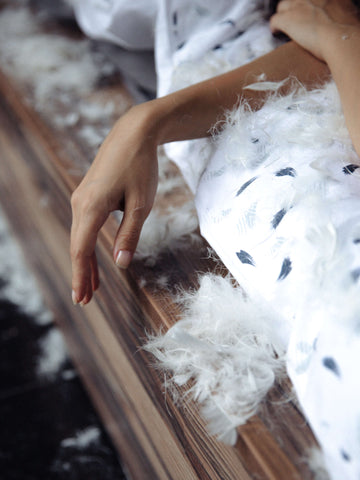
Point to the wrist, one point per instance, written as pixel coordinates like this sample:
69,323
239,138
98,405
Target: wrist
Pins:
145,119
185,114
166,119
156,120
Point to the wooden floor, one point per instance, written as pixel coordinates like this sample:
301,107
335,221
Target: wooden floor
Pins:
156,439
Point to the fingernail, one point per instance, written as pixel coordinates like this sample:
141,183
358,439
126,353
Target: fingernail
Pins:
74,298
123,259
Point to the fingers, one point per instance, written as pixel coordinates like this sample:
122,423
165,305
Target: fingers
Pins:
284,5
87,221
95,282
129,231
275,23
278,21
123,174
85,276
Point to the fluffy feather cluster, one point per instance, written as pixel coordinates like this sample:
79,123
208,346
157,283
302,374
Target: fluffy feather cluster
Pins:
169,230
227,348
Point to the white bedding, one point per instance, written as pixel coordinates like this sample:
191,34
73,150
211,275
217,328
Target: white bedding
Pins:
278,197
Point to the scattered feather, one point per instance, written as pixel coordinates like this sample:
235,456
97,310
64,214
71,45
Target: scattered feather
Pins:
225,345
174,229
53,353
265,86
83,438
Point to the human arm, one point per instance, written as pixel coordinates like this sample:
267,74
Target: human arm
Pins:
124,172
330,31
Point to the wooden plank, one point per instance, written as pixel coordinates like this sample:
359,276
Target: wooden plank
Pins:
156,438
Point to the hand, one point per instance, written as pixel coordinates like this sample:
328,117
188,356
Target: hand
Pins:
123,176
308,22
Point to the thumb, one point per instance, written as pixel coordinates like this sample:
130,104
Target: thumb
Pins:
276,23
128,234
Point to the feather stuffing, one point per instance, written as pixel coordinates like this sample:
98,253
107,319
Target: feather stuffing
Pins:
171,229
226,347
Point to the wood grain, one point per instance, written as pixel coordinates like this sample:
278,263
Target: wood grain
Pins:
155,438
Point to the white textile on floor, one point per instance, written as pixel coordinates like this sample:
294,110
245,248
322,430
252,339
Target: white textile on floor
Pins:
278,197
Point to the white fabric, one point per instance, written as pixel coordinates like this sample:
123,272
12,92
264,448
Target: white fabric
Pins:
129,24
278,203
277,196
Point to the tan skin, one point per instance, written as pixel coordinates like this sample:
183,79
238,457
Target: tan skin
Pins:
124,173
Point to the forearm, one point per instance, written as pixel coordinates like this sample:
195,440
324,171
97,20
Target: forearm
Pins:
192,112
124,173
342,55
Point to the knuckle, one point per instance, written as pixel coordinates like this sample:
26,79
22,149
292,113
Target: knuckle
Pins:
77,253
138,215
75,199
141,209
130,237
84,202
